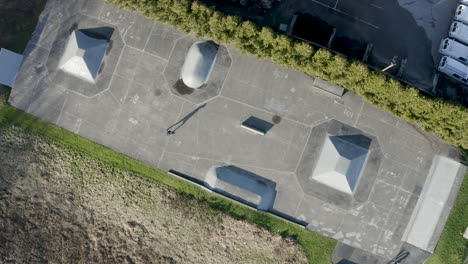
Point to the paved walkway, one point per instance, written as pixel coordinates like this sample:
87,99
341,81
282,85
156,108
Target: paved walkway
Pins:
137,96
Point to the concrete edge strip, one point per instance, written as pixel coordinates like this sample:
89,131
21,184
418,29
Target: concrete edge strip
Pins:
434,200
253,130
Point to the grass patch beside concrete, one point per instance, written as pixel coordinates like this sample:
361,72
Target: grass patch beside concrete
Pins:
317,248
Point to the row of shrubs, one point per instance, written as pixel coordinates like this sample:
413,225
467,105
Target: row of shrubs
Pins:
448,120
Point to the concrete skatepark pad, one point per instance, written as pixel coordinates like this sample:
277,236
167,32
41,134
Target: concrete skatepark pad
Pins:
134,100
199,63
83,55
340,163
242,185
10,63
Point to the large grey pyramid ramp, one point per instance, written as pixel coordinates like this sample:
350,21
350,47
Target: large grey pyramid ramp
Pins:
434,204
83,55
242,185
341,162
10,63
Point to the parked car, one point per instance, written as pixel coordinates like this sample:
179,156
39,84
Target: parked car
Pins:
454,49
454,69
459,31
461,14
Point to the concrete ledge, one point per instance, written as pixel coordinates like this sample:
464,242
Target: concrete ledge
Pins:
253,130
257,125
432,209
328,87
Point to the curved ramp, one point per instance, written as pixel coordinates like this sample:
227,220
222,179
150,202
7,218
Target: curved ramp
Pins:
199,63
242,185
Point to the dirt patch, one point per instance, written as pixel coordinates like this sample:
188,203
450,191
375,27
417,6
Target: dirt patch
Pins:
58,206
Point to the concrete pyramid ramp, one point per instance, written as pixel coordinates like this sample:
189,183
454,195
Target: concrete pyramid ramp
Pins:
340,163
83,55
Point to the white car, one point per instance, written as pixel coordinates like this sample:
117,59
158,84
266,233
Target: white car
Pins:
459,31
461,14
454,69
454,49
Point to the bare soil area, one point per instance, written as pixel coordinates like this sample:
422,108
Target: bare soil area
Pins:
57,206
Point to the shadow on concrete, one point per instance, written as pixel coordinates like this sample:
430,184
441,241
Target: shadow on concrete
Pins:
182,88
344,261
99,32
172,129
358,140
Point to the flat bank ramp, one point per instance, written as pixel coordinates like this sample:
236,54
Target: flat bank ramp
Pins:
242,186
436,200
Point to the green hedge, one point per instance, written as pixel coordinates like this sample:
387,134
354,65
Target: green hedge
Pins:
448,120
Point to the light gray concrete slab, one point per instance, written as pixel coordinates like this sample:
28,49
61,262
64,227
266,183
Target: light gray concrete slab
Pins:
113,15
32,71
92,8
138,32
162,40
134,102
49,102
392,172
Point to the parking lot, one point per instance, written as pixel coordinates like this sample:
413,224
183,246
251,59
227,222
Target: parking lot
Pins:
398,30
